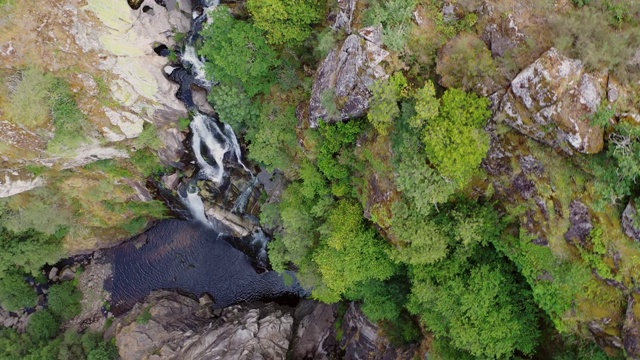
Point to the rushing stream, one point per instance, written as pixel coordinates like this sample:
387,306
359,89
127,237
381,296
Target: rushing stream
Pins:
199,255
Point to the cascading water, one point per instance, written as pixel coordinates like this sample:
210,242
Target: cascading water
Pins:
191,58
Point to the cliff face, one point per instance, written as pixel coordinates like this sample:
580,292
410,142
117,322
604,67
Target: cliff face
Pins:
172,326
101,57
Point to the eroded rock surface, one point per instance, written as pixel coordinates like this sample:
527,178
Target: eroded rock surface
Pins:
551,101
342,82
629,225
315,336
363,341
175,331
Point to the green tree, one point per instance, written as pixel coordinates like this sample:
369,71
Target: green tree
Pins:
455,140
395,17
28,251
237,53
475,303
386,93
64,300
427,105
15,292
234,107
286,22
43,326
349,253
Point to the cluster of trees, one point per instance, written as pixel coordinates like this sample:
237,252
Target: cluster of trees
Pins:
442,263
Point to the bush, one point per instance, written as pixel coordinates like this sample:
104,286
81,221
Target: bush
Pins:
43,326
149,138
69,121
286,22
31,99
465,62
64,300
395,17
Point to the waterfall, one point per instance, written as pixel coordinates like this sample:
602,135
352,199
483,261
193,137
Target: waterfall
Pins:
194,203
228,130
197,67
242,200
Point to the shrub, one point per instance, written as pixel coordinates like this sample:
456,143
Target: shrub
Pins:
31,99
465,62
286,22
395,17
148,138
69,121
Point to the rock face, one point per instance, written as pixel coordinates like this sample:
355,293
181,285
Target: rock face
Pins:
581,225
631,330
342,82
362,340
551,101
174,331
315,336
629,216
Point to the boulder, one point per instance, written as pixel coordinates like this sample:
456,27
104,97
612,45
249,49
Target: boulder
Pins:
67,274
174,332
629,225
345,77
551,101
503,36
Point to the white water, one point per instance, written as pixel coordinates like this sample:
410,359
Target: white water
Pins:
204,131
194,203
197,66
228,130
242,200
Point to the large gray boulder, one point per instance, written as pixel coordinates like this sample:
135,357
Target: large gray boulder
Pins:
341,89
551,101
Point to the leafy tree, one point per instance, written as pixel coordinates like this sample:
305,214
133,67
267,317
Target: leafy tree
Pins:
350,253
286,22
272,142
237,53
234,107
386,93
455,140
64,300
473,301
28,251
15,292
427,105
43,326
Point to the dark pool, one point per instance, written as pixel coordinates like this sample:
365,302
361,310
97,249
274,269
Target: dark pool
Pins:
190,258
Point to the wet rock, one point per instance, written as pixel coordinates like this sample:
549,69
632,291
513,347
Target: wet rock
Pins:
551,101
174,332
171,181
173,149
581,226
345,76
315,336
363,341
631,330
629,216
